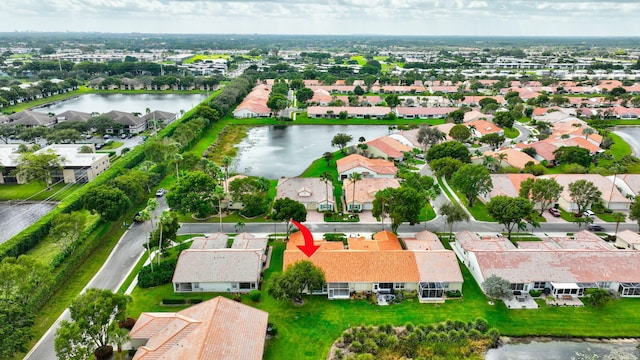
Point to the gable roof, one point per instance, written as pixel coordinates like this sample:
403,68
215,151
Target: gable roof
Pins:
124,118
366,188
304,190
603,184
379,166
507,184
218,265
216,329
389,146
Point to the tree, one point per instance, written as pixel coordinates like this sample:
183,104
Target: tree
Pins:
634,210
39,167
460,133
509,211
33,134
584,193
472,180
302,275
597,296
454,213
341,140
494,140
355,177
392,100
573,155
457,116
101,123
7,131
429,136
504,119
106,201
445,166
67,228
587,131
277,102
168,226
93,318
497,288
193,193
327,156
618,217
64,136
402,204
303,95
326,178
251,191
358,90
288,209
452,149
542,191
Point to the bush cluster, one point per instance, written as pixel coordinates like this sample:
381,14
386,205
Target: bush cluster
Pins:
161,274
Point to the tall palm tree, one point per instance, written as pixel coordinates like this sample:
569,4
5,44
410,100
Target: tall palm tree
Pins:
587,131
226,162
618,217
326,178
355,177
176,159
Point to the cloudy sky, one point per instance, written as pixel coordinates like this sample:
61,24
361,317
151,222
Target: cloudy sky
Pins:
388,17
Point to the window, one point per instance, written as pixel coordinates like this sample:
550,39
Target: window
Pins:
539,285
517,287
247,285
399,285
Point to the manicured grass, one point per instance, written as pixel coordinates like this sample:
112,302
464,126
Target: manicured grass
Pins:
306,332
201,57
511,133
479,209
112,145
36,191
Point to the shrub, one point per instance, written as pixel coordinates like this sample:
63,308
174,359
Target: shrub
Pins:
454,293
254,295
162,274
535,293
128,323
174,301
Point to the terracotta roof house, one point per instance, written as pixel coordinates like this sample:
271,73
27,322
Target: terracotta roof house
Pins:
480,128
131,124
363,112
313,193
564,270
628,239
505,185
72,115
254,104
217,329
388,148
424,112
380,266
474,115
628,184
408,137
475,100
218,270
611,196
515,158
424,240
367,168
544,150
365,192
321,97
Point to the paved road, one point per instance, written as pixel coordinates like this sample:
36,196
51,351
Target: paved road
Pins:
115,270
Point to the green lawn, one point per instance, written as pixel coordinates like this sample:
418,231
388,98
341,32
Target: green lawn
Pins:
511,133
36,191
306,332
112,145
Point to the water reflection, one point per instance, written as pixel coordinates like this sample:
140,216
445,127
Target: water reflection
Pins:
103,103
276,151
564,350
16,217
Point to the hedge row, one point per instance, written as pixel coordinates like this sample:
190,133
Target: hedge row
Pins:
159,274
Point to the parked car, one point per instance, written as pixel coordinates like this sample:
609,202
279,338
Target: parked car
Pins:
123,136
555,212
106,136
137,218
88,136
161,192
588,213
592,227
99,146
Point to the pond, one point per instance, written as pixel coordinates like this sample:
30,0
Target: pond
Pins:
630,134
16,217
276,151
564,350
103,103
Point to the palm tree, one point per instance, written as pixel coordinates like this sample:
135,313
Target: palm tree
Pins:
226,162
164,218
501,157
588,132
119,336
326,178
176,159
239,225
618,217
355,177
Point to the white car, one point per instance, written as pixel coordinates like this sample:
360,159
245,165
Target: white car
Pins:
588,213
161,192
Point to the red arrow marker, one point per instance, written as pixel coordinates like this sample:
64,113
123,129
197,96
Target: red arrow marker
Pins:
308,248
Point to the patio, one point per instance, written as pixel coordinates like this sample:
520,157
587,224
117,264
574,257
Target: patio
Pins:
563,300
522,301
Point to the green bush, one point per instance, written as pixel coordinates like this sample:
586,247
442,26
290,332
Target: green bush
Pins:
174,301
161,274
254,295
535,293
454,293
335,237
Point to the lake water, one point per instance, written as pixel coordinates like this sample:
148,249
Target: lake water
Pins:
16,217
276,151
103,103
630,134
565,350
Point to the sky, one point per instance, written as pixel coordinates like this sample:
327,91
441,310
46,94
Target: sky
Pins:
343,17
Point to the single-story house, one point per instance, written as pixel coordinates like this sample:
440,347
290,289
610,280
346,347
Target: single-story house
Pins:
544,150
363,112
515,158
367,168
424,112
217,329
628,239
559,267
131,124
388,148
313,193
30,118
212,241
505,185
480,128
611,196
380,267
254,104
73,116
474,115
163,117
365,192
218,270
628,184
247,241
